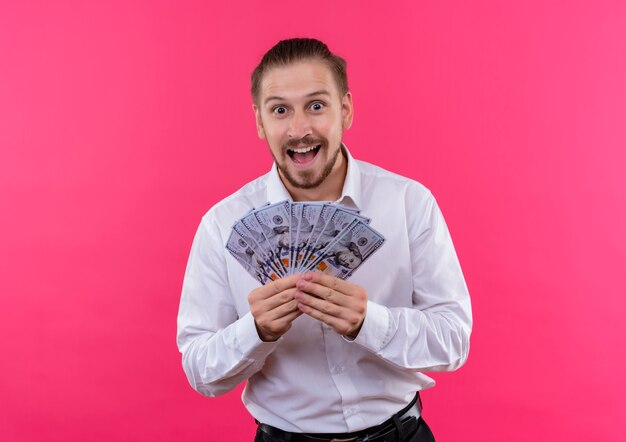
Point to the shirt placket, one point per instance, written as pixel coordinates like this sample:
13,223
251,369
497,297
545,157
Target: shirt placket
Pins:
340,368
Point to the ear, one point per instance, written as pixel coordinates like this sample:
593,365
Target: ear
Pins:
259,122
347,111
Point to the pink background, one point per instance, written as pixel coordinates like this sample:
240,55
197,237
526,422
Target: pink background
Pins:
121,123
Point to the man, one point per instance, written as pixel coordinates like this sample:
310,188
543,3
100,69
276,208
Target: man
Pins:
348,256
325,358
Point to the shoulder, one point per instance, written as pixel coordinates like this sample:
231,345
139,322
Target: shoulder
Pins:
404,200
376,177
224,213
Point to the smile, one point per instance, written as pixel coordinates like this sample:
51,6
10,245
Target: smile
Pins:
304,155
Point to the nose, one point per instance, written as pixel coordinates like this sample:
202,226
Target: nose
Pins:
299,125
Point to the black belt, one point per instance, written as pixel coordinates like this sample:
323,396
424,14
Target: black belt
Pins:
402,422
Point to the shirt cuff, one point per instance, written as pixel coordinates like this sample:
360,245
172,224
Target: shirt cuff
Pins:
375,332
248,341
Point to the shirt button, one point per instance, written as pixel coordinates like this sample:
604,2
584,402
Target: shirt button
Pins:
338,370
350,412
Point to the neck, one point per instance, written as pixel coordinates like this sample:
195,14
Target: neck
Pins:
329,190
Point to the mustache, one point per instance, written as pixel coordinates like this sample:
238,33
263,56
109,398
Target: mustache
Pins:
306,140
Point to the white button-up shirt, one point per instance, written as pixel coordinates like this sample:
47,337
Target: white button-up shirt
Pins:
418,316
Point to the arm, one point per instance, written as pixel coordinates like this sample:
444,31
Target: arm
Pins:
219,349
433,334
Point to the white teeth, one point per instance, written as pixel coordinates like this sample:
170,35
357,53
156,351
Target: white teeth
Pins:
303,149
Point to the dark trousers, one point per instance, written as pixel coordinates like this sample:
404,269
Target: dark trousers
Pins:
417,431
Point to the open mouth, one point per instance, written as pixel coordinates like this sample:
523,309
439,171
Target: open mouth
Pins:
304,155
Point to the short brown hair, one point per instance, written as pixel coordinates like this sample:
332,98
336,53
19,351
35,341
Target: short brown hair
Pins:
286,52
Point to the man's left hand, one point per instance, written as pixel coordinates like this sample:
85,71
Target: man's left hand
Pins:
336,302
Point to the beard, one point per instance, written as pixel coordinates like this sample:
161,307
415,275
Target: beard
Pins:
306,179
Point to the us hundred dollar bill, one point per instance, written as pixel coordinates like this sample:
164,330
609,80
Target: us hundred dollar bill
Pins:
349,250
310,215
256,241
248,258
275,221
336,224
325,214
255,229
296,215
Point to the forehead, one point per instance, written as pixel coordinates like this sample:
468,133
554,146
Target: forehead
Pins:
298,80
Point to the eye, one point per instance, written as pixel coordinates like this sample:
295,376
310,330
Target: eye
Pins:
317,106
280,110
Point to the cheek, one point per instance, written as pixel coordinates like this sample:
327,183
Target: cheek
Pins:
275,137
334,129
274,127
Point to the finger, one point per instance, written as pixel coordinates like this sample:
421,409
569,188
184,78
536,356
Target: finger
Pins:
292,316
285,322
259,307
274,287
323,292
279,285
321,305
282,310
340,325
272,328
277,300
332,282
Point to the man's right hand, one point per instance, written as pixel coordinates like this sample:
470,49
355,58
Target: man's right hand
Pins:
274,307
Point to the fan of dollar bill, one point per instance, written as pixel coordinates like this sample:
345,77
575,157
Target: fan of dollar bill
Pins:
286,238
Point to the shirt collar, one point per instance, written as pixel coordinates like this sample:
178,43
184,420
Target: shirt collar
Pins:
276,190
350,195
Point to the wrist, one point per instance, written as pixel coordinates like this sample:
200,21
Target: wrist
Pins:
353,334
265,337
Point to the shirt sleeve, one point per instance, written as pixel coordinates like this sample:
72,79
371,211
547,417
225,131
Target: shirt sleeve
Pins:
219,349
433,334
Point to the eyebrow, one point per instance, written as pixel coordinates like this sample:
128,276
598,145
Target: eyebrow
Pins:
311,94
